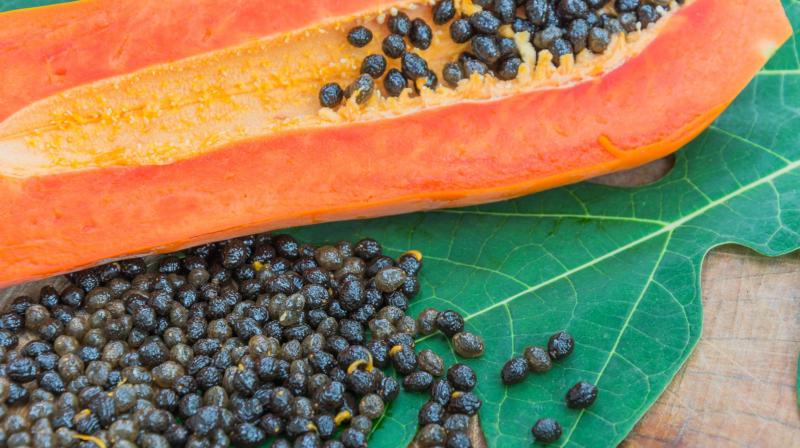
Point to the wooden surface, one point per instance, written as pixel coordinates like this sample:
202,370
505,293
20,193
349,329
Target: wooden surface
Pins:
739,386
738,389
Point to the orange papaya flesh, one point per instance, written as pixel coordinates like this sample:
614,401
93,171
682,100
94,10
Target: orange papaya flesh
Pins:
49,49
178,110
196,140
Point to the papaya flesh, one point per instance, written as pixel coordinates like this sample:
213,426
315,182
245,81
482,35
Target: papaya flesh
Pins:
122,134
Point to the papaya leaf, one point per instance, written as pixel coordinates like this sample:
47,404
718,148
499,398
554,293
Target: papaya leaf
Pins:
8,5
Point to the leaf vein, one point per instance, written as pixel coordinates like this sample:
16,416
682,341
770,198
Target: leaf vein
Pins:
554,216
624,327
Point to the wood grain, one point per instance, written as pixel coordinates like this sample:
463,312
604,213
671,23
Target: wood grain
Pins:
739,386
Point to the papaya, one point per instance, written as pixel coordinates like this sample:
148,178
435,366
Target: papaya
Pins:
130,127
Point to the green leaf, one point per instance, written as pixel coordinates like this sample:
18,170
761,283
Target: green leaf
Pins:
8,5
618,268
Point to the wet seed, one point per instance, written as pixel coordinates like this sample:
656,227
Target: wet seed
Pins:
514,371
577,33
461,31
431,412
449,322
22,370
331,95
359,36
430,362
505,10
581,395
362,88
573,9
628,21
431,435
546,430
610,24
403,358
538,359
352,438
560,47
429,81
373,65
458,439
389,279
444,11
470,64
468,345
507,47
393,46
413,66
626,5
560,346
399,24
464,403
508,68
647,15
485,22
462,377
420,34
456,422
486,48
452,74
418,381
545,38
329,257
426,321
371,406
598,40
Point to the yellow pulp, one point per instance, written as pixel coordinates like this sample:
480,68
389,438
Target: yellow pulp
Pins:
178,110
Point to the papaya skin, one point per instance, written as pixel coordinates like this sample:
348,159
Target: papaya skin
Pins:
460,154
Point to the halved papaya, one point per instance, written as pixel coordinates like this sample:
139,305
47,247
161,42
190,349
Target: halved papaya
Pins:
138,126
